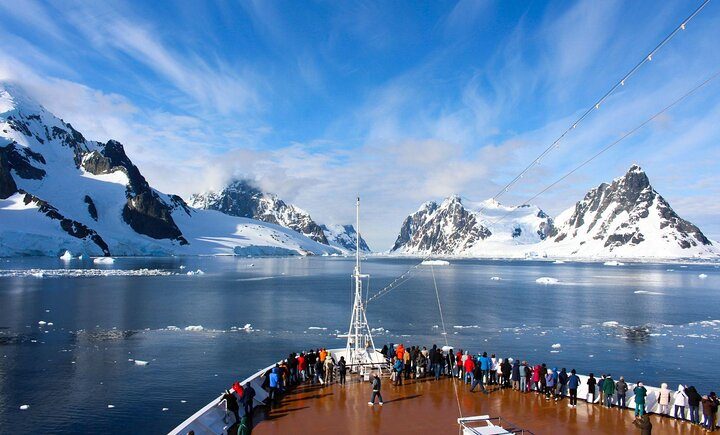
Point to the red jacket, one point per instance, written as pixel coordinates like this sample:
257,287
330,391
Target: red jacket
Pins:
238,389
302,364
469,365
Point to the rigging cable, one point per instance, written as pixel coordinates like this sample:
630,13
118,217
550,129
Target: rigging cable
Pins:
444,333
620,139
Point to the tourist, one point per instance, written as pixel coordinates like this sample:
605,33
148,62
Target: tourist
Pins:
640,395
710,409
499,375
536,377
292,367
680,400
609,390
562,384
398,367
231,405
431,358
485,366
318,378
493,367
516,375
549,384
591,383
303,367
450,362
664,399
524,372
384,351
437,362
244,426
601,381
329,368
543,381
573,384
310,360
459,360
248,399
342,369
274,384
621,389
469,369
644,424
477,379
505,369
693,401
375,390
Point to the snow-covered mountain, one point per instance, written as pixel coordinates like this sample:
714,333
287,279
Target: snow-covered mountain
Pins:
626,218
60,191
344,237
241,198
485,228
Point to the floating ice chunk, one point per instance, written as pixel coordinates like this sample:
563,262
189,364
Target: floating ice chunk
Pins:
141,363
613,263
558,262
546,280
645,292
556,346
702,276
111,406
24,407
317,328
50,323
196,272
435,263
172,328
554,351
104,260
247,327
610,324
182,267
194,328
165,409
47,311
67,256
680,345
466,326
495,278
42,322
37,274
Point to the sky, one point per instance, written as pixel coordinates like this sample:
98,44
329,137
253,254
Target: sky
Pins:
399,102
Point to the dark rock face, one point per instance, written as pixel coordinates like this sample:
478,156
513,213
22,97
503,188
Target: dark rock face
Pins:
72,227
445,229
241,198
92,211
18,159
145,211
613,212
7,183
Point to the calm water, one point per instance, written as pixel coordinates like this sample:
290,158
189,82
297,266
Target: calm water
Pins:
69,372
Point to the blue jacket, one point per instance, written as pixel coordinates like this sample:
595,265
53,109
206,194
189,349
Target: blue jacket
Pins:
274,380
573,382
399,366
485,363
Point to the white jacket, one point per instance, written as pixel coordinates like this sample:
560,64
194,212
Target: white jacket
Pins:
680,397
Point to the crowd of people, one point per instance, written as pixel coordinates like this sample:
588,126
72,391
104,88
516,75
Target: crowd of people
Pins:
479,370
319,367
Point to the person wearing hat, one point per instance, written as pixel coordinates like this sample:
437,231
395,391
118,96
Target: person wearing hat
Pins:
609,390
621,389
573,384
640,395
231,404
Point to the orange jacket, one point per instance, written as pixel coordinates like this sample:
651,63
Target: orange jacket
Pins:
400,351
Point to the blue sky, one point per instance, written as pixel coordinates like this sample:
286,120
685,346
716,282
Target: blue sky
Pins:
401,102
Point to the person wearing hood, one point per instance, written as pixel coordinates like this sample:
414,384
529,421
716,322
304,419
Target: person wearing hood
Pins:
247,399
231,404
342,369
549,384
643,423
516,375
664,399
505,370
680,400
485,366
244,427
640,395
601,382
459,362
524,372
329,368
621,389
398,367
274,384
469,367
477,379
693,401
609,390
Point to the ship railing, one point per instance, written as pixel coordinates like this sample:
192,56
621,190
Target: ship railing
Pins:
487,425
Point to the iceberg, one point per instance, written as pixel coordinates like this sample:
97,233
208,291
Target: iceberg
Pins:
435,263
24,407
546,280
67,256
613,263
141,363
702,276
103,260
495,278
194,328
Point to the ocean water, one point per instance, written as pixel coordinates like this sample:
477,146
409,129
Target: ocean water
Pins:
650,322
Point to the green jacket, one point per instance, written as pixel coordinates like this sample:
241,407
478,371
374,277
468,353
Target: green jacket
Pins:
609,386
640,393
244,428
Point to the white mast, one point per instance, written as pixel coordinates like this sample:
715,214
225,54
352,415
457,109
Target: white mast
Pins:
360,346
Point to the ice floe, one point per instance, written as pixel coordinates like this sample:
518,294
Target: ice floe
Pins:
435,263
111,406
702,276
103,260
495,278
24,407
317,328
195,272
466,326
546,280
558,262
611,324
194,328
67,256
80,273
42,322
556,346
141,363
645,292
613,263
